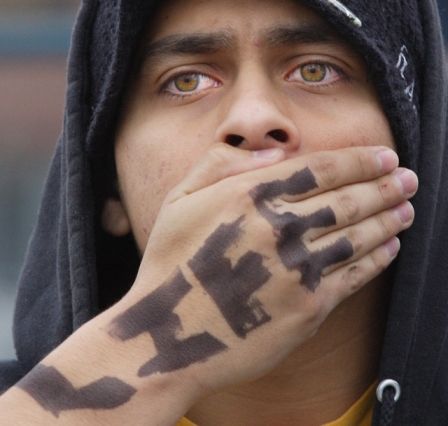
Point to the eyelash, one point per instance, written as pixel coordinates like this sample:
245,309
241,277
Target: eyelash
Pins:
342,76
165,87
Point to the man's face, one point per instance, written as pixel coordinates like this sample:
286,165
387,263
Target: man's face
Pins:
251,73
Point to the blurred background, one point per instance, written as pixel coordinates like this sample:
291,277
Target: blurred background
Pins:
34,41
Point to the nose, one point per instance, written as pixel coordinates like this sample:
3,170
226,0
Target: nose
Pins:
254,120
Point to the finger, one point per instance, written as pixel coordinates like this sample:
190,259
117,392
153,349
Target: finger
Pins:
354,203
350,278
222,161
368,234
305,176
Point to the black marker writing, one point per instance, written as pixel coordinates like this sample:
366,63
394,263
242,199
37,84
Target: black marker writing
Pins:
290,229
53,392
232,288
154,315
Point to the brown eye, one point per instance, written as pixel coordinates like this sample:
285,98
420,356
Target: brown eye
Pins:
313,73
187,82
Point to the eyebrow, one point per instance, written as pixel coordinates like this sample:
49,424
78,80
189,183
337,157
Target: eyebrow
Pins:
212,42
189,44
303,34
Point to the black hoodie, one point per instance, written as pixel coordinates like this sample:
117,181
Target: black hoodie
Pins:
63,281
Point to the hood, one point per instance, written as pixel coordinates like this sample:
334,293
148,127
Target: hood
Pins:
63,275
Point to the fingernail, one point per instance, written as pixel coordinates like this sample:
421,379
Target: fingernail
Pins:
388,160
408,181
267,153
405,212
393,247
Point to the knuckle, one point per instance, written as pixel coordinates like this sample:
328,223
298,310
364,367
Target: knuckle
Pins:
316,310
367,163
384,226
379,261
386,190
237,192
353,278
263,228
326,168
348,205
217,155
355,237
364,162
244,190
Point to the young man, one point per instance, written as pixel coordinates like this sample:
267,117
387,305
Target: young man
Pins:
226,197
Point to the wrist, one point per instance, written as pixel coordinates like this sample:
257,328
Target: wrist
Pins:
93,357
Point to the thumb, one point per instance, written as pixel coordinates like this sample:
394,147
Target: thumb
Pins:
222,161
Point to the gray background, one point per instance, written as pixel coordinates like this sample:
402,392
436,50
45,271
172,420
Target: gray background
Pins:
34,40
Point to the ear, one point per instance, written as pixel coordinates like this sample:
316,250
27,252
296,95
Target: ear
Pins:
114,219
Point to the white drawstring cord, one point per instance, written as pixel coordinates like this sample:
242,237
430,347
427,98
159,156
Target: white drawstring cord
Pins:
347,12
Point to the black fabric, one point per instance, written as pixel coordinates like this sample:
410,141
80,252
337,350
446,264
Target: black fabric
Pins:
63,275
443,6
10,373
417,328
387,26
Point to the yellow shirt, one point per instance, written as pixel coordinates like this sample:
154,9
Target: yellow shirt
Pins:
359,414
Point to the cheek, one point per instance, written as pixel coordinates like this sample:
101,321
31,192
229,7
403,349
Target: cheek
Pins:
151,160
338,124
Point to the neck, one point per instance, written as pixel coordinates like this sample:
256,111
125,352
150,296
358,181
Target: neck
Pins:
318,382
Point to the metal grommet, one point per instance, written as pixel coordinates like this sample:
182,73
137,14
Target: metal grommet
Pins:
385,384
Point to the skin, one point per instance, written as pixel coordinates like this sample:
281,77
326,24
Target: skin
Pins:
265,205
252,101
253,96
56,394
146,317
291,229
233,288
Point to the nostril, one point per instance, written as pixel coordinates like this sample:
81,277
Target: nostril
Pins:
234,140
279,135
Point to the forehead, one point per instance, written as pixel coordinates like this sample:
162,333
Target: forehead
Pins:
196,27
246,17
